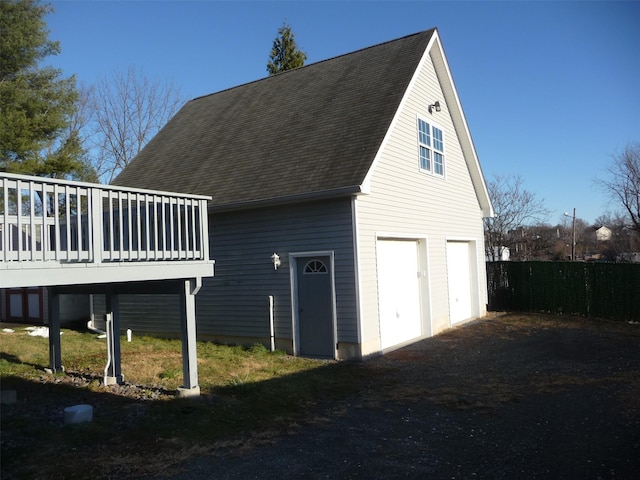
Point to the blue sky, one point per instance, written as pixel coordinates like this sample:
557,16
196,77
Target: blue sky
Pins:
550,89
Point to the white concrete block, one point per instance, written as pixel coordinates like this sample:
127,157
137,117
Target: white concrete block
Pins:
78,414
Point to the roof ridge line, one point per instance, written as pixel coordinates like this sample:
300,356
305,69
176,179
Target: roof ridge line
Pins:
314,63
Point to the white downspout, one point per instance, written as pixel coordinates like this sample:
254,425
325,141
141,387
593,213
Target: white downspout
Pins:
272,331
109,329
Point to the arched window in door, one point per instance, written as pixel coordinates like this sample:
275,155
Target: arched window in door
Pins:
315,267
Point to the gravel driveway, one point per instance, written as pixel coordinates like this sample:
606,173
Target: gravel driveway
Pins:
499,398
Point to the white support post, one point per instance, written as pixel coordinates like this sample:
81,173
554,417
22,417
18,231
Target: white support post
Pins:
48,250
79,223
120,220
19,218
130,225
113,372
155,227
171,230
194,241
32,238
111,224
138,226
165,229
147,229
56,221
6,247
55,356
189,288
179,246
204,230
96,224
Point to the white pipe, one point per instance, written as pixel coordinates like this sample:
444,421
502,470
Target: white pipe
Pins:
93,329
109,346
271,325
91,325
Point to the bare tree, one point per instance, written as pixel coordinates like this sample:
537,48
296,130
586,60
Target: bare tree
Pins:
128,110
623,182
514,207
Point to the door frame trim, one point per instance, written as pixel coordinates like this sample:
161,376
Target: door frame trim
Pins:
293,276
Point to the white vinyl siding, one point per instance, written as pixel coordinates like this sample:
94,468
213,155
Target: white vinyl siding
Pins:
404,201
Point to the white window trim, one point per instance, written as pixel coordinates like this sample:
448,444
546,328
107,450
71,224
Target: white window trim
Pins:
431,147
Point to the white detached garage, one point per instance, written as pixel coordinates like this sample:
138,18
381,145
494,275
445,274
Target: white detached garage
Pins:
360,174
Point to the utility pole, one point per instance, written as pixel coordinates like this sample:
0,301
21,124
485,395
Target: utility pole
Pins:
573,237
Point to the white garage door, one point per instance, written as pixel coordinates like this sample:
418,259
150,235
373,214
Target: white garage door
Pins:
459,277
398,291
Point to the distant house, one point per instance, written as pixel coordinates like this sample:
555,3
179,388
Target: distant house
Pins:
499,254
603,234
347,206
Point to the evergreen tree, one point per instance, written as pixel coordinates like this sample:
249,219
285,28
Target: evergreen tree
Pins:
285,54
36,102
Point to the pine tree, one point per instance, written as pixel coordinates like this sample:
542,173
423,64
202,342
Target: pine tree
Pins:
36,102
285,54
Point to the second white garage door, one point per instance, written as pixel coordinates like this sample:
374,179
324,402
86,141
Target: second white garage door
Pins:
459,277
398,291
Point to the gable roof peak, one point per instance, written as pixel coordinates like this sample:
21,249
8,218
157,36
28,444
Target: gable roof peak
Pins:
427,33
312,131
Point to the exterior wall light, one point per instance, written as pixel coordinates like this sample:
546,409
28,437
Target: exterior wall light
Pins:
434,106
275,258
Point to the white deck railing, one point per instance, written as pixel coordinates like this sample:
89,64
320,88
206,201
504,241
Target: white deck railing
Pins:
43,219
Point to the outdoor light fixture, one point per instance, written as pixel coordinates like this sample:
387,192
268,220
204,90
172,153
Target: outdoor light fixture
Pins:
434,106
275,258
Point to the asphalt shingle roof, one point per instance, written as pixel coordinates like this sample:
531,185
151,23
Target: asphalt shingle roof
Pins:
310,130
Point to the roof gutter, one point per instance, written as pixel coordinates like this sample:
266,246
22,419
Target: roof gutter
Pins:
287,199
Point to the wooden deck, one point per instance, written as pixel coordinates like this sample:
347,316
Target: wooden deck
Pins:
56,232
74,237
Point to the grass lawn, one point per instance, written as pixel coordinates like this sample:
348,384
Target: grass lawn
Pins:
248,394
529,383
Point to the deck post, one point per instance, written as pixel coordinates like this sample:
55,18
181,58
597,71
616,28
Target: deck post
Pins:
189,288
97,219
113,372
55,355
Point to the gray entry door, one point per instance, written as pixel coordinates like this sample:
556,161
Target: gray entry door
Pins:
315,307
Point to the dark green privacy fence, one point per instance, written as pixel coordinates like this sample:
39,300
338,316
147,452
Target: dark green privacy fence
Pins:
597,290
